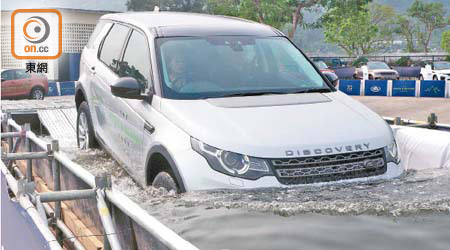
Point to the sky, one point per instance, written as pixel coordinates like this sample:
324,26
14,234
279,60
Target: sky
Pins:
108,5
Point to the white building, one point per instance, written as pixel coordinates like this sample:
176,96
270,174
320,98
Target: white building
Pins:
77,26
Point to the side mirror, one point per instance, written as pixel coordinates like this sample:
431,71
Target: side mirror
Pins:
332,77
127,87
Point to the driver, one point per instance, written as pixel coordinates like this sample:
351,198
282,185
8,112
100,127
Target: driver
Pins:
177,72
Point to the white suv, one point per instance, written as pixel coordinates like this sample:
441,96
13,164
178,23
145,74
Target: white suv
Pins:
193,102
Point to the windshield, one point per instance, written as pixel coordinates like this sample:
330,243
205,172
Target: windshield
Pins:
377,65
441,65
321,65
221,66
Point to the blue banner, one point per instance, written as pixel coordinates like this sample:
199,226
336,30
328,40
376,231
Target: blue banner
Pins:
67,88
52,89
350,87
430,88
375,88
403,88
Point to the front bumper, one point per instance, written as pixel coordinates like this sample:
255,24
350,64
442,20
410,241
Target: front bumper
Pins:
198,175
381,77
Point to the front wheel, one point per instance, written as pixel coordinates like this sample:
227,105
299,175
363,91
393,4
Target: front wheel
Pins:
421,78
37,94
435,78
165,180
85,131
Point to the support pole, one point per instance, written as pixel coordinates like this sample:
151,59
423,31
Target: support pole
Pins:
107,222
56,178
8,129
10,134
432,120
25,156
398,121
29,173
70,237
68,195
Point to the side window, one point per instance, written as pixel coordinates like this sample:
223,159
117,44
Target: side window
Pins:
112,46
22,74
8,75
136,60
95,34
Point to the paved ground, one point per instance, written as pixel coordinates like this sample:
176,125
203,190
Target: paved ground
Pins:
409,107
25,105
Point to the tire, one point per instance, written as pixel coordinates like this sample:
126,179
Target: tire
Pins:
37,93
435,78
85,130
165,180
370,77
421,78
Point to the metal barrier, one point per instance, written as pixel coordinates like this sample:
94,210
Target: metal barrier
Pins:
431,123
100,189
412,88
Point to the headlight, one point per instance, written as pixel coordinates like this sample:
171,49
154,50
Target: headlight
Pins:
231,163
392,153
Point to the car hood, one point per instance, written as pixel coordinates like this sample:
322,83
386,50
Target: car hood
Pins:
273,126
443,71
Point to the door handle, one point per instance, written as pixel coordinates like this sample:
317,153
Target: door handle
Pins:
149,128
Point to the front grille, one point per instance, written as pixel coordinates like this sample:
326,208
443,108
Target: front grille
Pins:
304,170
387,74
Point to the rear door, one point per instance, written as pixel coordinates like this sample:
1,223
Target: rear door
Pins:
105,74
22,82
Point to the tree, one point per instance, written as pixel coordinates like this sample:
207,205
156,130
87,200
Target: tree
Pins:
445,41
272,12
432,16
359,27
172,5
297,15
406,28
353,32
383,16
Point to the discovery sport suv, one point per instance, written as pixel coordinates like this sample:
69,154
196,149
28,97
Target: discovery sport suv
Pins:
192,102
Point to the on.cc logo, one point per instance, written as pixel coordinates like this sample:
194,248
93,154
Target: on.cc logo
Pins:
39,29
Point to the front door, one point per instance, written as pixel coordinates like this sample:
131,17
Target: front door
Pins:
104,74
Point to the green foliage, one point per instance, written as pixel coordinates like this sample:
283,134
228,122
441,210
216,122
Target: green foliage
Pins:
351,29
406,28
404,61
274,13
172,5
362,60
445,42
430,16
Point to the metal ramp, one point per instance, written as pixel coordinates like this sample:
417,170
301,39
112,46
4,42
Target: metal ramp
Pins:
61,124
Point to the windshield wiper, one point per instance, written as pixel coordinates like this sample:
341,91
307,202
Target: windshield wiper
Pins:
255,94
315,90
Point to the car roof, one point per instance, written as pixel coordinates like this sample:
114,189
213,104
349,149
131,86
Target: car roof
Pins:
168,24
